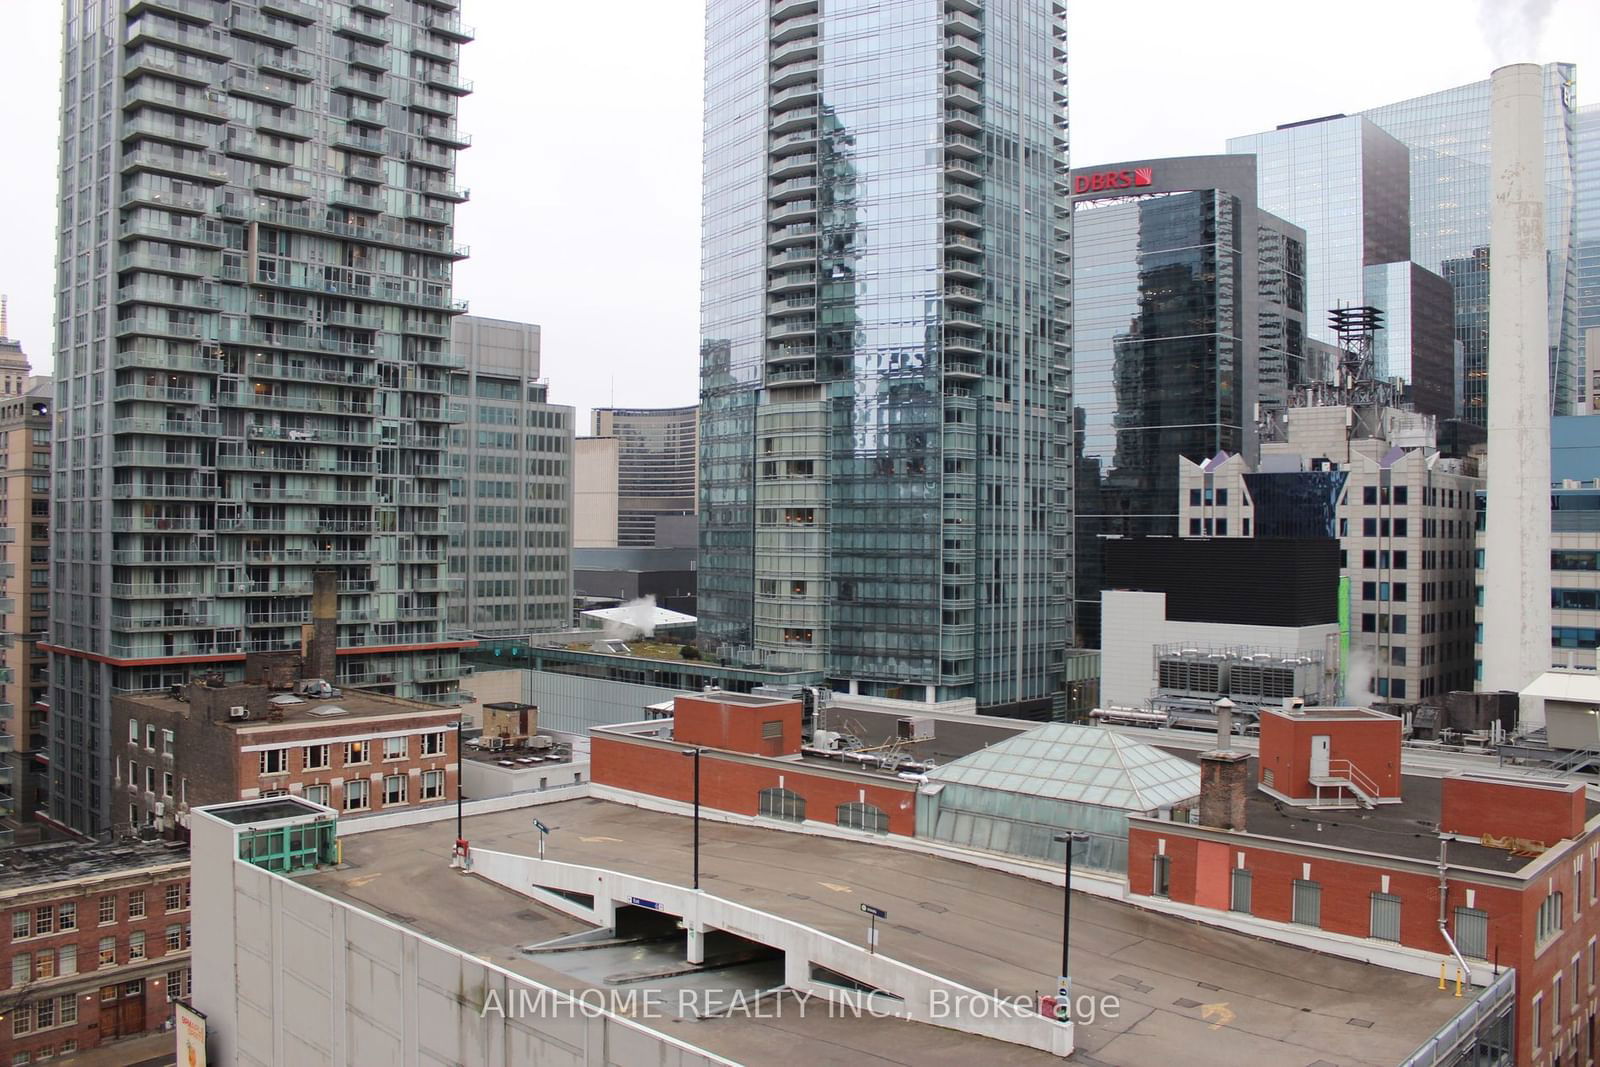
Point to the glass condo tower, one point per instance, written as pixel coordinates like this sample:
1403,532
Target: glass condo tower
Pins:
885,450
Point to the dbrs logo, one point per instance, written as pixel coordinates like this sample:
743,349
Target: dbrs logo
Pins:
1112,179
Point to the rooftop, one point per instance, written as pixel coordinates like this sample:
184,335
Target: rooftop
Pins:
1408,830
35,866
281,707
990,930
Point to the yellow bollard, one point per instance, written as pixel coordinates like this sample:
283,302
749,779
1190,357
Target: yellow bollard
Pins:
1441,977
1458,981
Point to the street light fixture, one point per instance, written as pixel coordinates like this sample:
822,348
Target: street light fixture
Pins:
695,752
1064,988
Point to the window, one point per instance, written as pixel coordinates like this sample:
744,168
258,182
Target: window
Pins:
21,969
315,758
150,737
44,919
317,794
175,938
69,960
1307,908
1239,891
433,744
21,924
171,897
108,910
357,792
67,916
133,731
1161,877
136,945
432,785
44,964
869,817
179,984
166,783
108,952
166,742
1369,495
782,804
275,761
136,904
1472,932
1385,924
21,1023
394,789
1550,916
357,752
396,748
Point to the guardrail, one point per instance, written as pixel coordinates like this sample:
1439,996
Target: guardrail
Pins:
1458,1035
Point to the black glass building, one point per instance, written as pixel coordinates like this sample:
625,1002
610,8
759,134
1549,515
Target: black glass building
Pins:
1188,336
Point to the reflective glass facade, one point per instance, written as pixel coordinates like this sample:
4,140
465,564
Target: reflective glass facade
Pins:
252,351
884,479
1448,136
1188,334
1588,242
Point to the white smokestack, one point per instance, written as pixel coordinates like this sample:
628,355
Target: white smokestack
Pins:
1516,594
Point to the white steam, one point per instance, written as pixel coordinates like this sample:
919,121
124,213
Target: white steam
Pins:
1513,28
638,619
1358,674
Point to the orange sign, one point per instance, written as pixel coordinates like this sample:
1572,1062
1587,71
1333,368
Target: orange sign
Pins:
191,1028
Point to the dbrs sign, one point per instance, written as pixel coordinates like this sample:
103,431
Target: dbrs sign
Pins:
1112,179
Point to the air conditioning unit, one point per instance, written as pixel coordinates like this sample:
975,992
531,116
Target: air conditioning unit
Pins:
238,711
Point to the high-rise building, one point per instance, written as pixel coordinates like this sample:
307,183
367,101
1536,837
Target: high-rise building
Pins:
511,508
253,354
1188,340
1588,243
885,480
657,470
25,585
1347,184
1447,133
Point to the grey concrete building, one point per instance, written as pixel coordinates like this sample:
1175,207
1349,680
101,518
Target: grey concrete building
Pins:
657,473
511,506
253,349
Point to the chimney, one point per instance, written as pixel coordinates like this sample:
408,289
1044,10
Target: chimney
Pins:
1224,776
322,662
1516,572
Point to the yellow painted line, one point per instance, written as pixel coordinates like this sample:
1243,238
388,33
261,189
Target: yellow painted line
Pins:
1220,1012
835,887
357,883
596,840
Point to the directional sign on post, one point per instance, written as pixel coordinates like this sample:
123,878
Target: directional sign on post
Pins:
873,914
876,913
541,827
1064,999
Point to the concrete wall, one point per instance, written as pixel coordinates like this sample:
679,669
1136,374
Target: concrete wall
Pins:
288,975
594,492
481,779
1133,624
802,946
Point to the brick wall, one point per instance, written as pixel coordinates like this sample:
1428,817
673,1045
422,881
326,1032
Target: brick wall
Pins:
1373,745
733,784
301,768
98,1002
1544,812
737,727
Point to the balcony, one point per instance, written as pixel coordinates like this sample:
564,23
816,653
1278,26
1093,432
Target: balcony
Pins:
786,166
313,435
168,427
962,294
301,373
181,68
373,31
427,46
184,298
156,127
147,524
149,358
360,140
792,280
794,189
802,25
959,70
783,10
368,112
965,269
278,183
242,145
428,156
157,394
793,118
140,326
280,495
961,145
442,190
160,557
203,167
180,621
298,10
803,68
371,86
791,375
960,194
958,45
283,402
450,27
212,44
448,136
805,93
157,491
273,31
186,265
293,126
447,81
357,199
368,57
194,10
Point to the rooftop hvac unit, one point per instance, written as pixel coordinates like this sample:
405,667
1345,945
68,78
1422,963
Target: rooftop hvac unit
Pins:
238,711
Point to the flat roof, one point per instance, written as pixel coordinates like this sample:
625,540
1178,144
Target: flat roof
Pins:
749,700
1331,714
1407,830
986,929
352,704
36,866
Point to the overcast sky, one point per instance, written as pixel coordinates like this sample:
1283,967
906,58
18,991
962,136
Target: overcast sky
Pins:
585,168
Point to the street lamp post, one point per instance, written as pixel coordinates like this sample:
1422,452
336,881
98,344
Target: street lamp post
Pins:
1064,988
458,780
695,752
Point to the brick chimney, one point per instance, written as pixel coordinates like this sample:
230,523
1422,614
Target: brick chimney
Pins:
1224,776
323,647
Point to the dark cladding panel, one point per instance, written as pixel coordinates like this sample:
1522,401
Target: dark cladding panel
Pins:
1284,582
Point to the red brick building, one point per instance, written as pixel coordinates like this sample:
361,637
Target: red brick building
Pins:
1519,885
355,752
750,766
97,945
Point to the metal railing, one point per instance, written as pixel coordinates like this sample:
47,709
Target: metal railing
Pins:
1457,1036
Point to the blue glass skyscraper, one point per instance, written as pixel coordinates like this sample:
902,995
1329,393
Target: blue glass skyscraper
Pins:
885,362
